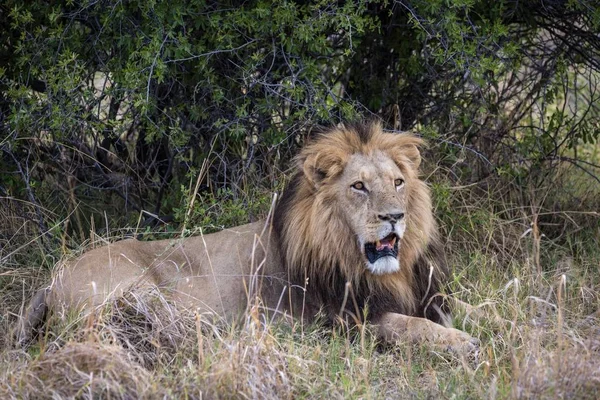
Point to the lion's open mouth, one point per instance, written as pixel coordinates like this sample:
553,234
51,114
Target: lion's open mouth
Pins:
386,247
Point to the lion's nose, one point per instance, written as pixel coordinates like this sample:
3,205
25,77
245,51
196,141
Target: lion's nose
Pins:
391,217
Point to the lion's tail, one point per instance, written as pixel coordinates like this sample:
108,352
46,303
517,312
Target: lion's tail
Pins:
32,318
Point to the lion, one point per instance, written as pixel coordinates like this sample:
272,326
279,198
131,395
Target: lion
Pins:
352,238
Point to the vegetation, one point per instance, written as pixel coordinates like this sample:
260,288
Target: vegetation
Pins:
153,118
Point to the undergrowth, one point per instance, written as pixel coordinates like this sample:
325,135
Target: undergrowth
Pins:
530,271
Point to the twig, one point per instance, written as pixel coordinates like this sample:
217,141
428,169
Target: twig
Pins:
25,176
163,185
210,53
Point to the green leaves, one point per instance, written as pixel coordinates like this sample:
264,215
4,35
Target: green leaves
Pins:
154,88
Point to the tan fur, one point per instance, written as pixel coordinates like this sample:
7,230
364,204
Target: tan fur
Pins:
307,259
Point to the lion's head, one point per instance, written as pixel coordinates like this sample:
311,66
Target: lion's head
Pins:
356,211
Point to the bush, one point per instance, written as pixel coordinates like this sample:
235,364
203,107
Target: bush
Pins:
138,99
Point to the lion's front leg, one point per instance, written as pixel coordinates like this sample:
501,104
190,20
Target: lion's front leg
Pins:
393,328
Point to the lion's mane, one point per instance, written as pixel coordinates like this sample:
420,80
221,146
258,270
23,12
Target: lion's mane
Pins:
319,249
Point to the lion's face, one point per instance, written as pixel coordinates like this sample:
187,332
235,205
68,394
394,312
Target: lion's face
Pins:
356,206
372,198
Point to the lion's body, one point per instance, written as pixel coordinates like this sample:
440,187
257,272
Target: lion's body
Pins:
353,231
193,271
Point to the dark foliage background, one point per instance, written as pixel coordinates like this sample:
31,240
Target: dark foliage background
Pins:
131,113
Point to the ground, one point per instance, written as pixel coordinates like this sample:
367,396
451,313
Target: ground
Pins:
535,295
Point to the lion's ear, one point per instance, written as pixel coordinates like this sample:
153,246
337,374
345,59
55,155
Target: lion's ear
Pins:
413,154
406,148
321,166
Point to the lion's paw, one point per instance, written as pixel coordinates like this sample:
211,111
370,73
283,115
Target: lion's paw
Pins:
461,343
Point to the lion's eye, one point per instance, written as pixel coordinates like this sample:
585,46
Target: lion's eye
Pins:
359,186
399,182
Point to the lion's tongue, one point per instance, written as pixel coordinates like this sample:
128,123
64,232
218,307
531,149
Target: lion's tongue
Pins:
386,243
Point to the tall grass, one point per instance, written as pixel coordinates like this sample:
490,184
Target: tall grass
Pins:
530,271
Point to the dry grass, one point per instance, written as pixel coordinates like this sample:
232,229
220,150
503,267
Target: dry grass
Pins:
535,300
81,370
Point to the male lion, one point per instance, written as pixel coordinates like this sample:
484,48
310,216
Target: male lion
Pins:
352,235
